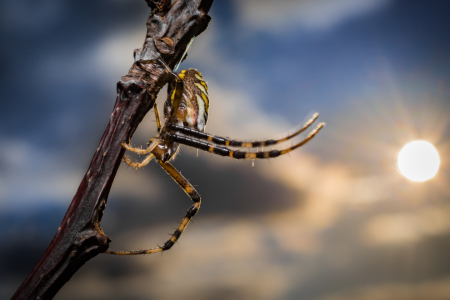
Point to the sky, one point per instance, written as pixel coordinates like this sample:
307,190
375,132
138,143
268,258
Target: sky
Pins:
334,220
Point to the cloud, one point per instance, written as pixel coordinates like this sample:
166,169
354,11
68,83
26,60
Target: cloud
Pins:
407,227
29,173
277,16
113,55
102,62
29,16
429,290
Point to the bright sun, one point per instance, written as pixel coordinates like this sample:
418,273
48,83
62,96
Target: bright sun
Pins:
418,161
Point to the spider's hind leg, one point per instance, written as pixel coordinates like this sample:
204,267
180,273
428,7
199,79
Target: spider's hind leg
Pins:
190,190
192,193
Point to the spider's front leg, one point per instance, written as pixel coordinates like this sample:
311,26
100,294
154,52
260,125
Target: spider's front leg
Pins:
224,151
192,193
200,135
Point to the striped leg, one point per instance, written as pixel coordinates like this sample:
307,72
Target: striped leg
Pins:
227,142
223,151
190,190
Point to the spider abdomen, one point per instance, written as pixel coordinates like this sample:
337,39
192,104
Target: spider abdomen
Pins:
194,105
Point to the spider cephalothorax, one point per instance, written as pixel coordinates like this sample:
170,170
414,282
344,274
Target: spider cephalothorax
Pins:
185,117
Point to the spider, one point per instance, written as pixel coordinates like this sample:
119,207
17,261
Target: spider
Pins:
186,114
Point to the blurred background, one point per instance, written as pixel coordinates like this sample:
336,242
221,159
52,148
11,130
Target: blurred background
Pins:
334,220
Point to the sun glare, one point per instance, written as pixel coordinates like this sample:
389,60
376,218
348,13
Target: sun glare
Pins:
418,161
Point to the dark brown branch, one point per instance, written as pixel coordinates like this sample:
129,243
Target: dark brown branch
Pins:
80,237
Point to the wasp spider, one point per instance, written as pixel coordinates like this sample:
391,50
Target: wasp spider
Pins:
186,114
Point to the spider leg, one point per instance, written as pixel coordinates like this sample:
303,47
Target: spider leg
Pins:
177,92
223,151
190,190
151,145
158,119
136,164
233,143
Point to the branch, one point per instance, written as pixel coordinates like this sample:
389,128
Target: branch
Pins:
80,237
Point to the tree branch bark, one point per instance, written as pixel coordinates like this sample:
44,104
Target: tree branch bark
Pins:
80,236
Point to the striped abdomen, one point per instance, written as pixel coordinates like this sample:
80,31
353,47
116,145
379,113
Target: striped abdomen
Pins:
193,109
